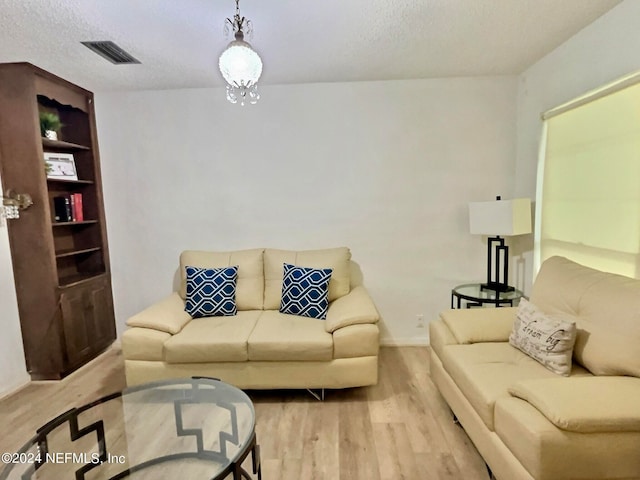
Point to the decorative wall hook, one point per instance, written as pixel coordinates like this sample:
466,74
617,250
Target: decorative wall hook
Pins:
13,202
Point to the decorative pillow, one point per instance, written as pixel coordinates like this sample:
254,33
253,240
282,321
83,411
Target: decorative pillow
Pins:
337,259
305,291
545,338
211,292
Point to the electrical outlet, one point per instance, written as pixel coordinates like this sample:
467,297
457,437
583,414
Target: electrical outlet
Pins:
420,318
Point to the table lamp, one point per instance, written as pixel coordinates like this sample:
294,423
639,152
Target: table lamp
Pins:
496,219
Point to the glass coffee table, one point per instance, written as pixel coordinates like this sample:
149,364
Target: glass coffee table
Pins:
194,428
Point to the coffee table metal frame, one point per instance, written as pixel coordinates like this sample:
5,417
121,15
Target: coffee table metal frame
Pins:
71,416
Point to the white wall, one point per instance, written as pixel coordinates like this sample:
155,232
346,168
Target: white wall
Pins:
386,168
600,53
13,371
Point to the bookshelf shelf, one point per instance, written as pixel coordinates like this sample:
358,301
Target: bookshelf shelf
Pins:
73,224
70,182
72,252
60,145
79,279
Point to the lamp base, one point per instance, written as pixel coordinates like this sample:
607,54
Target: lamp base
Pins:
497,287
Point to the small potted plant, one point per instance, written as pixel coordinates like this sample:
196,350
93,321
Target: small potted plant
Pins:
49,125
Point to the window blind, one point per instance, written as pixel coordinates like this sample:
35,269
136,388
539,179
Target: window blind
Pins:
589,184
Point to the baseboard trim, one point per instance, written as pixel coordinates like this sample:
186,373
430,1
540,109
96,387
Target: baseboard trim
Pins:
404,342
15,389
81,369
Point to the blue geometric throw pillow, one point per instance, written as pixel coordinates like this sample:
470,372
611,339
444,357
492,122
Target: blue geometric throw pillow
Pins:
211,292
305,291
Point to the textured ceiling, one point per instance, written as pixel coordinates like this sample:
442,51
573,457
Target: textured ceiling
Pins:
300,41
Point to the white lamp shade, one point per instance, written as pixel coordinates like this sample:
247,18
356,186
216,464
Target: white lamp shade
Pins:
240,65
500,217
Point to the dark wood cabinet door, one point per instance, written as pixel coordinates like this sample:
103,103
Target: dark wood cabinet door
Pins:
101,318
76,329
86,313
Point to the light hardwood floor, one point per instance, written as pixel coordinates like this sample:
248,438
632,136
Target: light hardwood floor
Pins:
398,429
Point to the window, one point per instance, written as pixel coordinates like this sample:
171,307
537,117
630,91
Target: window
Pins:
589,181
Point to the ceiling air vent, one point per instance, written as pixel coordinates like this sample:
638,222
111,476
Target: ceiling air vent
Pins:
111,52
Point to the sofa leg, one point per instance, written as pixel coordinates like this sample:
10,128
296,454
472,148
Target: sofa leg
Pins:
320,397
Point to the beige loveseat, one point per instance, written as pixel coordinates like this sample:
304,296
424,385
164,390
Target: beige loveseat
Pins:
259,347
527,422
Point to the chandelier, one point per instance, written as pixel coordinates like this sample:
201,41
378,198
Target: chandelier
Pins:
239,64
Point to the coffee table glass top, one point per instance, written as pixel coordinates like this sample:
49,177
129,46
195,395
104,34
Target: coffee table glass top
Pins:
188,428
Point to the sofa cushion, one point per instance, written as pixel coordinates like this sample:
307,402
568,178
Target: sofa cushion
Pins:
337,259
607,310
549,339
560,285
211,292
603,351
585,404
609,327
304,291
281,337
485,371
250,283
212,339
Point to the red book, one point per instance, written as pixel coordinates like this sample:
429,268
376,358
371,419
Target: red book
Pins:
79,213
72,201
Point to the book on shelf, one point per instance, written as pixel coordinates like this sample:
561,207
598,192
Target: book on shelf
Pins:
62,208
78,207
72,201
68,208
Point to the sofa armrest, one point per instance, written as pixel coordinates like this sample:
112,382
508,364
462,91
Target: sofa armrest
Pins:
167,315
356,341
439,336
477,325
585,404
354,308
143,344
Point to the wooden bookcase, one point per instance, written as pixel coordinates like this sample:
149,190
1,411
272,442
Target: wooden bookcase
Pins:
61,269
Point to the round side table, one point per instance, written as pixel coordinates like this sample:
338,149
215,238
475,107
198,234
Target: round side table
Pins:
475,296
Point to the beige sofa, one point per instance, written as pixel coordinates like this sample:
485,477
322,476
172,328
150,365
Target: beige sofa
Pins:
527,422
259,347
